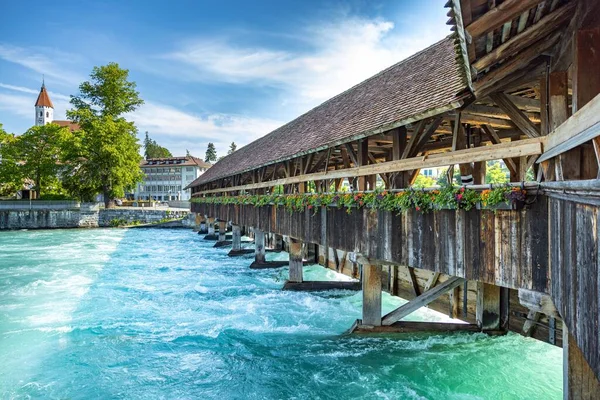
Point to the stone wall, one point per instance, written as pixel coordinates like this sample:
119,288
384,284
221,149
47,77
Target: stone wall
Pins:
85,217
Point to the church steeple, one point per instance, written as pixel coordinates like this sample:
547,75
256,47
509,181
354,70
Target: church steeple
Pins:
44,109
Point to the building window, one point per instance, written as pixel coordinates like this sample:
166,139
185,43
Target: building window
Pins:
47,114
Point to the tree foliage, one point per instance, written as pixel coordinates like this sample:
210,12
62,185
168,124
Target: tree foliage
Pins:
496,173
154,150
39,153
232,148
33,156
10,181
104,154
422,181
211,153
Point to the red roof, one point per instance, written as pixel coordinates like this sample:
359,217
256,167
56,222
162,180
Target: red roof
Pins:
71,125
43,99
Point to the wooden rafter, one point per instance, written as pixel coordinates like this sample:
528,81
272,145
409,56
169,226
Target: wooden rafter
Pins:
516,115
514,64
543,28
413,139
497,16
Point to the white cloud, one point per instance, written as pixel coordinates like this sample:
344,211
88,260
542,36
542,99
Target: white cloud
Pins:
341,54
178,130
44,61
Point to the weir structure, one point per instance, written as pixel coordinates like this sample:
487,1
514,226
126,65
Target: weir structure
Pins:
516,81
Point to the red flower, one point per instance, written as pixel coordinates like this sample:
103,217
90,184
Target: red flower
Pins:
417,208
309,206
459,197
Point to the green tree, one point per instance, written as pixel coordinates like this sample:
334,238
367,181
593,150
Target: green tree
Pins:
423,181
104,154
211,153
496,173
154,150
38,152
232,148
10,179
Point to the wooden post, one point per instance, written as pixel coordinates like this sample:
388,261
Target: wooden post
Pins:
363,159
398,146
203,225
579,380
211,226
236,238
295,260
259,241
277,242
568,165
197,222
222,230
371,289
488,306
586,85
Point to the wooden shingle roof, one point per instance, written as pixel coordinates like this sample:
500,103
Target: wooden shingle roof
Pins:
415,87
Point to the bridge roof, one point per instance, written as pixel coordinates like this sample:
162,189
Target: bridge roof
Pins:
427,83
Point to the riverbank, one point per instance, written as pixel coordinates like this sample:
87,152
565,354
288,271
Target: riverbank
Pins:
88,217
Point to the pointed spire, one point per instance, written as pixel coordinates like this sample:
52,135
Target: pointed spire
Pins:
43,99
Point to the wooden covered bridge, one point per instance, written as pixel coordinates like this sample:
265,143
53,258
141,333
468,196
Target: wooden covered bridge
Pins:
517,81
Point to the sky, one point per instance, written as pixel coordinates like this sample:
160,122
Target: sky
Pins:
208,71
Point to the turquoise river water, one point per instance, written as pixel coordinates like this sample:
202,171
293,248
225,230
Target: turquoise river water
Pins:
153,314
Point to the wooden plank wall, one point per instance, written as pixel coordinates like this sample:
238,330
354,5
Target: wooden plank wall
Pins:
575,273
505,248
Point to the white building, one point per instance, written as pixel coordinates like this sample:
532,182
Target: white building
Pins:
165,178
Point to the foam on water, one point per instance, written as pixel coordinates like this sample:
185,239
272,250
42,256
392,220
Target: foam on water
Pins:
161,314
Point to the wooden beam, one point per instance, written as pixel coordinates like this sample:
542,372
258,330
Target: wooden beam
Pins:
413,139
424,299
496,112
479,120
544,27
516,115
426,135
514,64
432,281
497,16
488,306
582,127
413,281
350,152
295,261
530,322
518,148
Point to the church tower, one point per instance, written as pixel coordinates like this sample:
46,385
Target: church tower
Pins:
44,109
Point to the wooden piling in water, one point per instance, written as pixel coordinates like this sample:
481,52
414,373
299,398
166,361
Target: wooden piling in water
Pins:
296,263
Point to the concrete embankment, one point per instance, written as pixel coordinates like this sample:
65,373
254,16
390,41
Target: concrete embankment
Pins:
88,217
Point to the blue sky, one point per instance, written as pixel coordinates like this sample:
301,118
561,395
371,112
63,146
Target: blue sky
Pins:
217,71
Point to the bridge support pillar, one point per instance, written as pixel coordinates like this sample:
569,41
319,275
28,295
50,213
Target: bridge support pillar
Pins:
296,260
222,230
211,230
203,225
579,380
222,237
197,222
371,289
259,250
488,306
236,238
277,242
